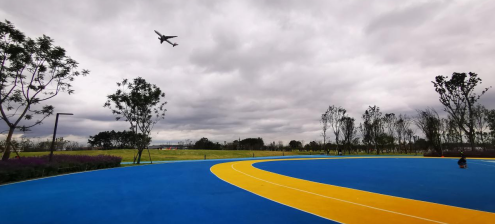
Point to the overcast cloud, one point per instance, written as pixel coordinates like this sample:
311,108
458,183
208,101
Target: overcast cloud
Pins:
259,68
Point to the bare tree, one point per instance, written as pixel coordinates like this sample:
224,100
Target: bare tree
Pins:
365,130
480,124
390,123
402,125
491,124
374,117
324,123
349,132
335,115
409,134
428,121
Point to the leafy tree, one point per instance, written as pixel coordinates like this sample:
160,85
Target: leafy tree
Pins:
420,143
314,145
384,139
31,72
459,99
102,139
139,103
295,144
252,143
272,146
113,140
204,143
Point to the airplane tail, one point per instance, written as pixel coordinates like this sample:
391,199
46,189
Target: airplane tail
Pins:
161,41
175,44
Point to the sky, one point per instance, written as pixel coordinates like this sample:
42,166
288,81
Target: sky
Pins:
264,69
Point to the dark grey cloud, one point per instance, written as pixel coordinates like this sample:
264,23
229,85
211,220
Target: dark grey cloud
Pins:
259,68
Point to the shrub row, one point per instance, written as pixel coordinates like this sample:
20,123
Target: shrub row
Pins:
482,154
35,167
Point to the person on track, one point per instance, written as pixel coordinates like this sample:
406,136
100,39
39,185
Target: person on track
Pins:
462,162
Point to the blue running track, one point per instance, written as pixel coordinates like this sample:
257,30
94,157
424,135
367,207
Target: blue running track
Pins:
187,192
433,180
164,193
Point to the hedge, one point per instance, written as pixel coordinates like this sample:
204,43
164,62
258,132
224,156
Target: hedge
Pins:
36,167
482,154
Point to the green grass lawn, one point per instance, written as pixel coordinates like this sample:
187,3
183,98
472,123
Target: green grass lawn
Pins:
165,155
169,155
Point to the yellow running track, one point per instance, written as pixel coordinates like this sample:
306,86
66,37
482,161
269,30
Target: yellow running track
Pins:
341,204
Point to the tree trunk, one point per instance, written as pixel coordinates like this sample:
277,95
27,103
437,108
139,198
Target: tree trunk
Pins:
140,151
472,139
8,145
377,152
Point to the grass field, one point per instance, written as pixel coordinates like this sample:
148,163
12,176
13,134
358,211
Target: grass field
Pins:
165,155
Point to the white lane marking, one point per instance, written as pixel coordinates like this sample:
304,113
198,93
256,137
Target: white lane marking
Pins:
482,164
350,202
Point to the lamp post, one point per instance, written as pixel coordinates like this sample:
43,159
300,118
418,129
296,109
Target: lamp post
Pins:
55,134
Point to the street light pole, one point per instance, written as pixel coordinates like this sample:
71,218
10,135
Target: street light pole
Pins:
55,134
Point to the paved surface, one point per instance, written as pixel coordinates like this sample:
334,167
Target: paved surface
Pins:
188,192
349,205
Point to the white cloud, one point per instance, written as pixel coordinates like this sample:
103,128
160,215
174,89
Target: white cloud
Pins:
260,68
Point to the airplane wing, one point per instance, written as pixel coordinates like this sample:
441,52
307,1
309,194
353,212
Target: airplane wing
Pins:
159,34
170,37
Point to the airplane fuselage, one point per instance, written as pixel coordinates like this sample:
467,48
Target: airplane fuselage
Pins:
165,38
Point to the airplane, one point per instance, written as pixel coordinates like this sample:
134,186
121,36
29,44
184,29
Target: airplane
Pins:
165,38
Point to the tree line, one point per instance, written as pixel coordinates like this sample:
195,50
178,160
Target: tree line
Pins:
467,123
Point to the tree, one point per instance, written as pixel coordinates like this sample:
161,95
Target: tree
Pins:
139,103
348,131
295,144
324,123
335,115
313,145
390,123
429,123
252,143
491,123
458,97
452,132
365,129
409,135
480,123
113,140
102,139
401,127
375,125
31,72
204,143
